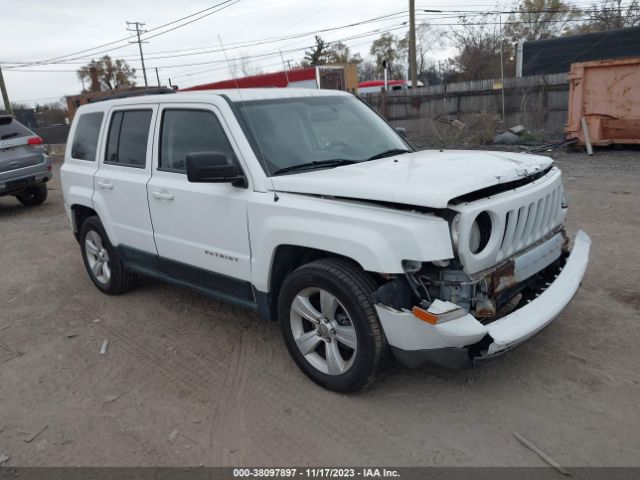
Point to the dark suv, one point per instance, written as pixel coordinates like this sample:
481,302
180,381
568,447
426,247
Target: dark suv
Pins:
25,168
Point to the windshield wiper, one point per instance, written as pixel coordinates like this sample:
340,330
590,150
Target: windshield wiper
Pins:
9,135
315,164
389,153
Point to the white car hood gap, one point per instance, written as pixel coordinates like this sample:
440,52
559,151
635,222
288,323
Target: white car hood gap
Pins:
428,178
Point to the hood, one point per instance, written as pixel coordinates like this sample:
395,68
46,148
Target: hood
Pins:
429,178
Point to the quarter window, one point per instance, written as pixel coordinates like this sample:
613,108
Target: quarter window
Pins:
128,137
190,131
85,139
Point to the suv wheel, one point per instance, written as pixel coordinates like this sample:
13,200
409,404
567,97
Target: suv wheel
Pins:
101,260
330,325
33,196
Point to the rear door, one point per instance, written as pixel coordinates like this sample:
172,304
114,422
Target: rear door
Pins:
200,228
120,186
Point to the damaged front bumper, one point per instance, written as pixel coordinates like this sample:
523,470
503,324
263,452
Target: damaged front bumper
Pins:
464,341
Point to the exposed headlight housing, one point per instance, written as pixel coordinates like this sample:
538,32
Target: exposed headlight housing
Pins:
480,233
455,231
475,237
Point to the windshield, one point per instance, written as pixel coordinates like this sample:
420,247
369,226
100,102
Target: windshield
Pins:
315,131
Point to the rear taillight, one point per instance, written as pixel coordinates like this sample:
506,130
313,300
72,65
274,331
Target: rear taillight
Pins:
34,141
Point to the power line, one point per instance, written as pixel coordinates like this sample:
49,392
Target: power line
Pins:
250,43
52,60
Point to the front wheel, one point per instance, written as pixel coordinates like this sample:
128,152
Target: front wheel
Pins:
330,325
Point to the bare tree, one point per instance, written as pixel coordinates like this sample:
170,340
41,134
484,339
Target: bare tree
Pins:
610,14
427,38
392,49
540,19
51,113
112,74
366,71
478,47
341,53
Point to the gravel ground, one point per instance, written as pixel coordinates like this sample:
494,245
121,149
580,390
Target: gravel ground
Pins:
189,381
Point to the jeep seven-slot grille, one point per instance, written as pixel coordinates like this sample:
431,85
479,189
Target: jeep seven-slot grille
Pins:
529,223
519,218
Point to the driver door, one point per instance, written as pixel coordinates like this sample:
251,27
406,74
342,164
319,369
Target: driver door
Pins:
200,229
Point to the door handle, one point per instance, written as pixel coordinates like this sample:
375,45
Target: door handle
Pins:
162,195
105,185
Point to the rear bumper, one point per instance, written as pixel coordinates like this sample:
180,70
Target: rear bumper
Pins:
16,181
464,341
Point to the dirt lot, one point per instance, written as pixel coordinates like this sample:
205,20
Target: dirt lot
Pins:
189,381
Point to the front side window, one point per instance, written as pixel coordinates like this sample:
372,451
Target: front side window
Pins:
128,137
190,131
315,131
85,139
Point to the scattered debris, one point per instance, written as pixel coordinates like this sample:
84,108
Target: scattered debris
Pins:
549,146
97,320
103,348
173,436
110,398
454,123
587,138
507,138
3,458
33,437
458,124
541,454
518,129
71,335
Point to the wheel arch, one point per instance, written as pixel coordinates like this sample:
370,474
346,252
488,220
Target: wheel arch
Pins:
79,213
285,259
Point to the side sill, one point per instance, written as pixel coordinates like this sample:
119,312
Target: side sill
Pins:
192,278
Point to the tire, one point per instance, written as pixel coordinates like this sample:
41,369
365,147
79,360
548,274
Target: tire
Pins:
338,341
103,264
33,196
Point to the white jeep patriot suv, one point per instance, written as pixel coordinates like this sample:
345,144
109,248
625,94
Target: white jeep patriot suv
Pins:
307,207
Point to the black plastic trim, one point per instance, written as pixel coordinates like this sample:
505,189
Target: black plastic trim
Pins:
218,286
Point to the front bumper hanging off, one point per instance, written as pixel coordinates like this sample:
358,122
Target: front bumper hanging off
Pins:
464,341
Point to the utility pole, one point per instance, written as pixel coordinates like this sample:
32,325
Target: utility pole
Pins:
157,76
504,120
413,68
5,95
138,26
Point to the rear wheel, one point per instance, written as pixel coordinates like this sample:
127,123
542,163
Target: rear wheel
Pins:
33,196
101,259
330,325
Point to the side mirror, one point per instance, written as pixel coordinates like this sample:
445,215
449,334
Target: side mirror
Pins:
402,131
213,167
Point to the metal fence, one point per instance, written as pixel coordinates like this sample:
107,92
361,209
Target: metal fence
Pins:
538,102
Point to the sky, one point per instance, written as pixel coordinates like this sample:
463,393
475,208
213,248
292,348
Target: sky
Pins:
37,30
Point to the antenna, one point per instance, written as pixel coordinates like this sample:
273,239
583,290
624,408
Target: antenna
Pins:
284,67
249,122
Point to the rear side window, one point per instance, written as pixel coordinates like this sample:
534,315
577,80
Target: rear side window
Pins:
189,131
11,128
85,140
128,136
